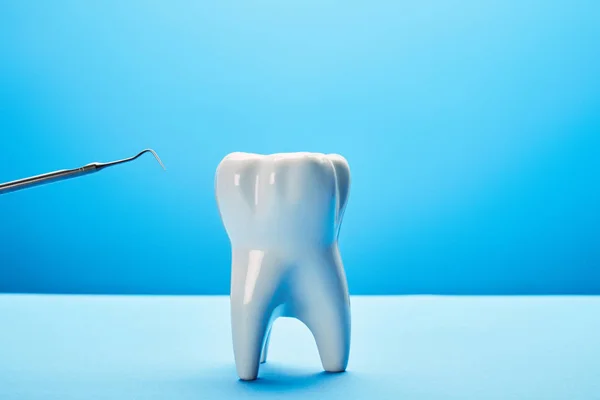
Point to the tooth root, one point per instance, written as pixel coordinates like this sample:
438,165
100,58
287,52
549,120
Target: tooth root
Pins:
255,277
326,312
265,349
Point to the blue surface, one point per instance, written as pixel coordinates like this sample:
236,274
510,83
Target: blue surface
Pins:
63,348
471,128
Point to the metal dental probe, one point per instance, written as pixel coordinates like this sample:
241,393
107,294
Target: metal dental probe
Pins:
68,173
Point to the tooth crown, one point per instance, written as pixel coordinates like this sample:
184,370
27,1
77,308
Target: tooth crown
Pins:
290,200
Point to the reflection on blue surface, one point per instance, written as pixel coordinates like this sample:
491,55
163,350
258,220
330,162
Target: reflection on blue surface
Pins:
472,131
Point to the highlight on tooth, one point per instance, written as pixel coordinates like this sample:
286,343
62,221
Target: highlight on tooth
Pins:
283,213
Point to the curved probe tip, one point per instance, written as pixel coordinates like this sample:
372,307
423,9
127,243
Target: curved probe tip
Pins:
126,160
155,156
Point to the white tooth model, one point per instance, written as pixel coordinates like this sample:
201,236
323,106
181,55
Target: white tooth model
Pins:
283,213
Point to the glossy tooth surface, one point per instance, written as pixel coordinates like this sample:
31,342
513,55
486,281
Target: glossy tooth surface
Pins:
283,214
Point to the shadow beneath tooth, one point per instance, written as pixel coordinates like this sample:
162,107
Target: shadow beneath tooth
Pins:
273,377
221,382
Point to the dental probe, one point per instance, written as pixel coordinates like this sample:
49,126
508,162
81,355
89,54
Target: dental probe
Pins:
68,173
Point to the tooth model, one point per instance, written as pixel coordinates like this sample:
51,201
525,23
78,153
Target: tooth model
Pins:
283,213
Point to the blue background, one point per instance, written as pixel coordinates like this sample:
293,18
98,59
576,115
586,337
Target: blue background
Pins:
472,129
